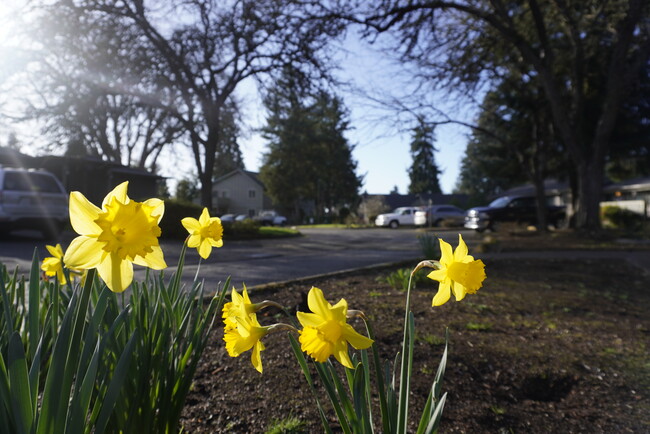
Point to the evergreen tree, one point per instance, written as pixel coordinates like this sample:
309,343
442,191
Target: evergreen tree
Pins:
229,156
308,169
424,171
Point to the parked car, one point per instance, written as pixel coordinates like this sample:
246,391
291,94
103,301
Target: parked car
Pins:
517,209
270,218
399,216
241,217
227,218
436,215
32,199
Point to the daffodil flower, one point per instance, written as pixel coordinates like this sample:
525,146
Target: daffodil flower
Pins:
242,331
53,265
458,272
112,238
240,306
326,331
205,233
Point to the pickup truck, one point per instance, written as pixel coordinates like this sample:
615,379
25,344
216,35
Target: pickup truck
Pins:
517,209
400,216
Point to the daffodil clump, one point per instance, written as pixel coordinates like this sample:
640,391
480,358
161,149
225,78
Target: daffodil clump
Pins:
77,358
324,333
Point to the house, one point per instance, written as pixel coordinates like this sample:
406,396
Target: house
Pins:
239,192
633,194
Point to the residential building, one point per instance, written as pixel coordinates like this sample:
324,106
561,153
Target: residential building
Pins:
239,192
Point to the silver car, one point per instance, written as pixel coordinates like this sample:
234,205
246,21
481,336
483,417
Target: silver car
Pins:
32,199
436,215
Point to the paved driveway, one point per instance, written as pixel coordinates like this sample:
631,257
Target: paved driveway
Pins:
263,261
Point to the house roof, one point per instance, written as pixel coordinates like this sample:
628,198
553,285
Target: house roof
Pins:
635,184
252,175
551,187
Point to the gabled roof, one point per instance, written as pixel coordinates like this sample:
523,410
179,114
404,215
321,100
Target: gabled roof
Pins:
635,184
252,175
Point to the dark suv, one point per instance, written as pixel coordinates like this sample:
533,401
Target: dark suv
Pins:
517,209
32,199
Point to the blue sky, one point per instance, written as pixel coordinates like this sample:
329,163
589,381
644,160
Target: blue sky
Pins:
380,136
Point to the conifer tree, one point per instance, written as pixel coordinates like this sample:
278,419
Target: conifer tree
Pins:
424,171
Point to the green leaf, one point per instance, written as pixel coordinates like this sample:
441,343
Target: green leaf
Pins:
34,305
21,401
437,415
113,392
83,392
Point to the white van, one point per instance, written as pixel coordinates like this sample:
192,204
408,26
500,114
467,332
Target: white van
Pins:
32,199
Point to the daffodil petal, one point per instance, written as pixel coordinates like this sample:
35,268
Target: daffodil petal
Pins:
158,208
118,193
215,243
204,218
357,340
341,354
154,259
205,249
55,251
83,253
443,294
317,303
461,250
117,273
309,319
191,224
256,356
459,291
447,254
83,215
438,275
194,241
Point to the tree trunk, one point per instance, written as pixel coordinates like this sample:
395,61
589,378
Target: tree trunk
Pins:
540,196
590,186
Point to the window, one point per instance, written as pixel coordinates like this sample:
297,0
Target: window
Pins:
251,194
20,181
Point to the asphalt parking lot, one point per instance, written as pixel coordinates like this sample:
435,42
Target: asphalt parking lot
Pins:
258,262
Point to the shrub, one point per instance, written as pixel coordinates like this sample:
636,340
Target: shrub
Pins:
243,230
175,211
621,218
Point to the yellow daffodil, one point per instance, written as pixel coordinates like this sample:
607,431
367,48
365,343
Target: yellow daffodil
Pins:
240,306
458,272
205,233
326,331
112,238
242,331
53,265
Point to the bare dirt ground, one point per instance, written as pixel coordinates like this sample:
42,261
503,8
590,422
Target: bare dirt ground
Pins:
547,345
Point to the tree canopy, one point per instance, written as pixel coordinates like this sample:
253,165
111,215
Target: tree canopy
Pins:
308,169
424,171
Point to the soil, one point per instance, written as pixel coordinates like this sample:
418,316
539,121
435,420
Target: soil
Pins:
545,346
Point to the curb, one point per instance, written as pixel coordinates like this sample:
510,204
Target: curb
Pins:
282,283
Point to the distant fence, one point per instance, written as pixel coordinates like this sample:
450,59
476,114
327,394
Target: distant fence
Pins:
636,206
